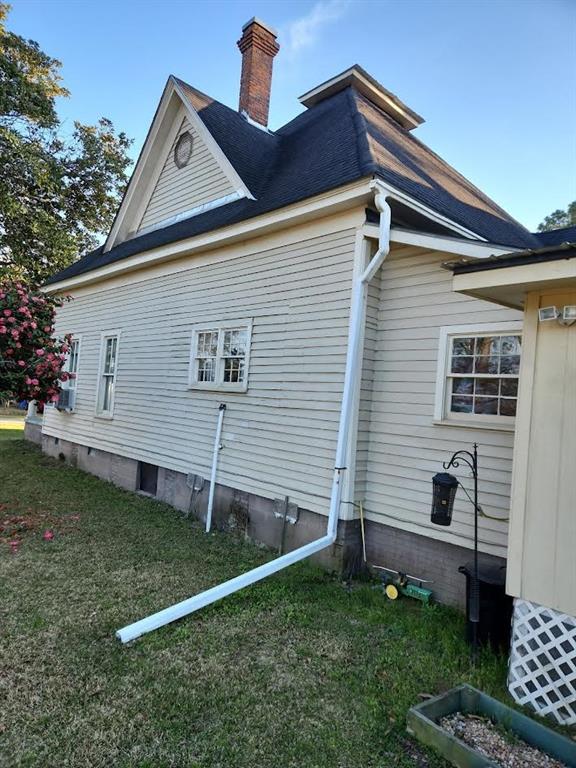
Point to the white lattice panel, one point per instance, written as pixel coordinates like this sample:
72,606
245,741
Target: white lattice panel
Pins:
542,669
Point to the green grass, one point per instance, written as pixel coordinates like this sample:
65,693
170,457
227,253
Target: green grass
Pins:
11,418
295,671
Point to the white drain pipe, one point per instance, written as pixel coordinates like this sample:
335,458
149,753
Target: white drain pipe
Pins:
357,312
217,448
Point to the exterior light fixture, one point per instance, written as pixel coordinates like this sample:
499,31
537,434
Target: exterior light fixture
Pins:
569,314
444,487
548,313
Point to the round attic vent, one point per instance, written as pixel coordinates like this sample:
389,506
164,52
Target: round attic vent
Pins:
183,150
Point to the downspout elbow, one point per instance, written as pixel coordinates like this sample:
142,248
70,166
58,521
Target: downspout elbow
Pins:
382,205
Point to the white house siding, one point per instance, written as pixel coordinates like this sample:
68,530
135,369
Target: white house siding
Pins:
402,447
280,435
181,189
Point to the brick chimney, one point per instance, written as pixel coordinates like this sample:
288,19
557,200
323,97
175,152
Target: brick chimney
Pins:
258,47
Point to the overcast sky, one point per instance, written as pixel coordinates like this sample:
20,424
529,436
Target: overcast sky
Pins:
495,80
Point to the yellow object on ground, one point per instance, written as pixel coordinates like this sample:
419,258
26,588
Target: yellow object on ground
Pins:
391,591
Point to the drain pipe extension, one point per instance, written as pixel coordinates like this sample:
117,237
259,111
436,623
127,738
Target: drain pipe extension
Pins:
357,312
217,447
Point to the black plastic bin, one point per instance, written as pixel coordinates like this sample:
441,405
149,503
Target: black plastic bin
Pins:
495,605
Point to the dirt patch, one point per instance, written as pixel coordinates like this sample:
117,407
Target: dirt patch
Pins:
16,528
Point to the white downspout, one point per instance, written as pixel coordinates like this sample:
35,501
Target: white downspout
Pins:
359,298
217,447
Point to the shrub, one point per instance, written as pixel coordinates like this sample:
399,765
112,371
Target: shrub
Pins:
31,358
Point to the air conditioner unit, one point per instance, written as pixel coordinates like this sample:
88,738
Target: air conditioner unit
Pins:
66,400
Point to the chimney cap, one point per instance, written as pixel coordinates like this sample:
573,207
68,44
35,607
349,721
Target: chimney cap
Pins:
256,20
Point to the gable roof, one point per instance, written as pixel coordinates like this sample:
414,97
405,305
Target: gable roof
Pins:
341,139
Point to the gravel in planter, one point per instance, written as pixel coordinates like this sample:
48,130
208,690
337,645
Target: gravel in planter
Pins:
503,748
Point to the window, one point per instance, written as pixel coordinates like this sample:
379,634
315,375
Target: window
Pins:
220,357
72,363
107,377
67,398
478,375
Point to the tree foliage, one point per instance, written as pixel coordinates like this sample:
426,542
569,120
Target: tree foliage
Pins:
58,193
559,219
31,358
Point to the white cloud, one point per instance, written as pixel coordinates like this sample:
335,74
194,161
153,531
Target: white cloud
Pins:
303,32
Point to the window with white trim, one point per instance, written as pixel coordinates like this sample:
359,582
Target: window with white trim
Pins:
67,398
107,375
72,363
220,356
480,371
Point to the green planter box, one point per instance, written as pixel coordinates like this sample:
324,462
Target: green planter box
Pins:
423,723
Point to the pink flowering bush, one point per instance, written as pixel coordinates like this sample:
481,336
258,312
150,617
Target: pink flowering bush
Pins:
31,359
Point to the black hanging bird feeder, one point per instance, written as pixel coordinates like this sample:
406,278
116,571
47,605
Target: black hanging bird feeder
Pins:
444,490
444,487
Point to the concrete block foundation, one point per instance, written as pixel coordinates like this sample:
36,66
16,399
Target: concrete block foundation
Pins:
252,516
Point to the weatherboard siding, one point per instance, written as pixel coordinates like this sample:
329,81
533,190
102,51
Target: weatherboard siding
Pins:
279,437
180,189
400,446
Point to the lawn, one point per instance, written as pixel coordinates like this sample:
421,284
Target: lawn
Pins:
11,418
299,670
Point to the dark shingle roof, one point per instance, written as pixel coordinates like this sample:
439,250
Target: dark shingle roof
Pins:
339,140
557,236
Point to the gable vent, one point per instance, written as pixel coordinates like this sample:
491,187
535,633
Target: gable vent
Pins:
183,150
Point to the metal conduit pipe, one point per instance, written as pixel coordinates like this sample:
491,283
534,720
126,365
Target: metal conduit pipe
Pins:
357,313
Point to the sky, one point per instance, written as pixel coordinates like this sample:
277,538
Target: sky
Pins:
495,80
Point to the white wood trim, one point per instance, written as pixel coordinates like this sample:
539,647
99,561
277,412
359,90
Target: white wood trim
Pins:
472,329
160,162
232,197
211,143
390,191
219,385
172,89
479,250
109,414
522,447
312,208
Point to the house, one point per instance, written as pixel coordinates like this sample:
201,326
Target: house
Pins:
295,276
541,573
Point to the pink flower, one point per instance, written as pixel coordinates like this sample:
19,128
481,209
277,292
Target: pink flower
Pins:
15,334
34,382
33,325
48,535
7,312
3,329
39,352
21,363
47,329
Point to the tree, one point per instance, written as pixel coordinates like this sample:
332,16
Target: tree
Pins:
31,359
58,193
558,219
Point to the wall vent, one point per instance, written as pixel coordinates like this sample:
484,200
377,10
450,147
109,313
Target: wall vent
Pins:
147,478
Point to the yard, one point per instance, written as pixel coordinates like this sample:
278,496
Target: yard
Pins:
296,671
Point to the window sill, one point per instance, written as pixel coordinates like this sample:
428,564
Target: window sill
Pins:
209,387
104,416
490,425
